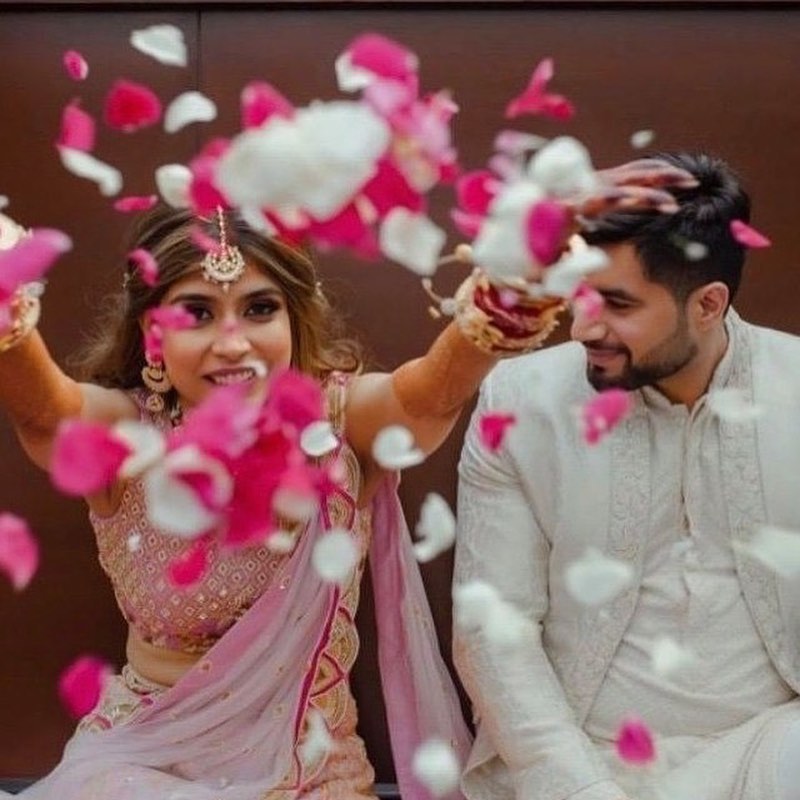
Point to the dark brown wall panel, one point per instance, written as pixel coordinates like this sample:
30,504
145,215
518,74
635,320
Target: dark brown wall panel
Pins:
720,78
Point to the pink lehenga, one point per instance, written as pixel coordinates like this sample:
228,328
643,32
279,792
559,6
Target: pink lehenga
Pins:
236,725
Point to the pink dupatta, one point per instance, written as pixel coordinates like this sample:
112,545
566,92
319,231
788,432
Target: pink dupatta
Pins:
227,729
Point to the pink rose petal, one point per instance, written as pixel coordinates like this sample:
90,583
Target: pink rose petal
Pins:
77,129
135,203
145,265
130,106
476,190
189,567
160,319
75,65
382,57
260,102
80,685
295,398
30,258
635,742
492,429
747,235
203,192
587,303
603,413
19,552
547,228
86,457
535,100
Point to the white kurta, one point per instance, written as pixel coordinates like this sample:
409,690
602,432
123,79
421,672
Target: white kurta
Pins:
668,493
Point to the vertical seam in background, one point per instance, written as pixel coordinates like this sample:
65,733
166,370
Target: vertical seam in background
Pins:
198,78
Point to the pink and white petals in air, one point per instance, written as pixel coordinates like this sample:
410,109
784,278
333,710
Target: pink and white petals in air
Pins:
160,319
77,128
187,108
133,203
30,258
436,528
173,182
492,429
130,106
536,100
335,555
776,548
188,568
75,65
477,606
748,236
587,302
81,684
85,165
547,225
634,742
600,415
318,439
19,551
203,194
164,43
394,448
147,446
87,457
144,263
371,57
413,240
436,766
594,579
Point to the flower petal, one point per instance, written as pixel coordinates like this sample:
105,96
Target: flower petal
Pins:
601,414
135,203
130,106
75,65
594,579
436,528
492,429
372,56
668,657
187,108
31,257
733,405
173,181
535,100
260,102
436,767
393,448
146,444
776,548
587,303
19,551
335,555
318,439
642,139
478,606
635,742
190,567
81,684
145,265
87,457
412,240
563,168
77,128
85,165
564,278
747,235
547,228
164,43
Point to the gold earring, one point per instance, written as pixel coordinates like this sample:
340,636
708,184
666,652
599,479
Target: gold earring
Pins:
155,378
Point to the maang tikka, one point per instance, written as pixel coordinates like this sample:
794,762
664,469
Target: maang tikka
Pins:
225,265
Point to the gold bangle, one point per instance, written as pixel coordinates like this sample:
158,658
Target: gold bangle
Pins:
27,309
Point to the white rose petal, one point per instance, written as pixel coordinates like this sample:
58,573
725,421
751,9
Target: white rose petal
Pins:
172,181
642,139
436,528
695,251
595,579
393,448
187,108
335,555
318,743
563,168
3,201
147,443
478,606
436,767
318,439
412,240
518,142
777,548
281,542
733,406
294,505
564,277
668,657
164,43
134,542
350,78
85,165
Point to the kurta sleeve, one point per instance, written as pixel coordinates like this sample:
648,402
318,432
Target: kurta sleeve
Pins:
516,695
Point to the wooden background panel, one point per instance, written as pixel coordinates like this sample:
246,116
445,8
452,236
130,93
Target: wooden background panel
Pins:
719,78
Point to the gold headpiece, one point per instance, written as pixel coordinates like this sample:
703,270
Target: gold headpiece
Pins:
225,265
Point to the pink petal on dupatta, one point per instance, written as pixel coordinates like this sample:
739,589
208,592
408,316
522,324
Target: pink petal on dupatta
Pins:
603,413
130,106
77,129
86,457
492,429
260,102
535,100
75,65
635,742
135,203
30,258
19,552
747,235
80,685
